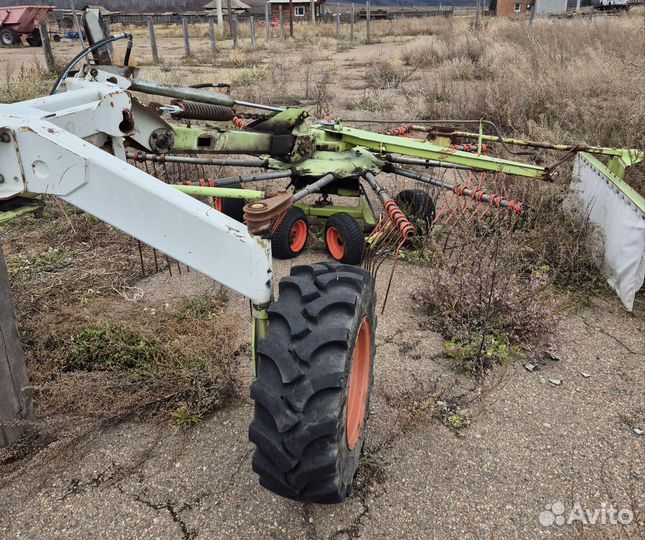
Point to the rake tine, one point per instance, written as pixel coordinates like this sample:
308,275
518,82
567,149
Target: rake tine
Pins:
143,268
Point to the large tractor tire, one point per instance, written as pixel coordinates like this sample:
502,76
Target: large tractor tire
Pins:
314,378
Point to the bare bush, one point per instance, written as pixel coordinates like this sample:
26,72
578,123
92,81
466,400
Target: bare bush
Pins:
385,74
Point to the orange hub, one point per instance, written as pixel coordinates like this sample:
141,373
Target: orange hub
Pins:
218,204
298,236
335,243
359,383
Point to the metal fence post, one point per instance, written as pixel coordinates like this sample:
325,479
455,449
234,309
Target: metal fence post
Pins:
337,25
184,25
153,41
212,35
234,31
252,22
351,25
47,47
368,21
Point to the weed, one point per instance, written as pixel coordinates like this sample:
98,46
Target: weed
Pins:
186,418
206,306
474,354
250,76
109,346
450,414
52,260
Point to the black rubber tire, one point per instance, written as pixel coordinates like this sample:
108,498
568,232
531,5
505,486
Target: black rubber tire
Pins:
418,207
281,238
351,234
34,40
300,392
56,38
9,37
233,207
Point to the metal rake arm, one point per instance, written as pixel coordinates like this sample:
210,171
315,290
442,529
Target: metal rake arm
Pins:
424,150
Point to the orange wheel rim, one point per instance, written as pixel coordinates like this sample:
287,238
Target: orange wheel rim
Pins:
335,243
298,236
359,383
218,204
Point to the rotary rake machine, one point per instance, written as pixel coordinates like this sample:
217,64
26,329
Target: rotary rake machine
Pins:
155,172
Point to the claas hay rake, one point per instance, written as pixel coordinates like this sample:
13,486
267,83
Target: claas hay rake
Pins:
147,170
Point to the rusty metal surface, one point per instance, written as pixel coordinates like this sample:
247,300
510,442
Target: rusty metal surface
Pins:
258,215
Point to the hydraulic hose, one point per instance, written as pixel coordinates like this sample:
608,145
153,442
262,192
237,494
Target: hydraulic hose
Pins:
87,51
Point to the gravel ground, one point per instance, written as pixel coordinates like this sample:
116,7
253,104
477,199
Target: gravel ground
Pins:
530,443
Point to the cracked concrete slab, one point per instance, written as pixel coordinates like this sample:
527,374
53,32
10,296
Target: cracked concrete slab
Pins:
529,444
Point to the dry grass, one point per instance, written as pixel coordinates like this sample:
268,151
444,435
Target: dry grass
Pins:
93,351
557,80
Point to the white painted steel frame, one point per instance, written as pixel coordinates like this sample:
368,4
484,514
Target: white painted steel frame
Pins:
45,153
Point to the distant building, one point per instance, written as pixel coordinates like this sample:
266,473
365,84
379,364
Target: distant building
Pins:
301,9
237,7
551,7
509,8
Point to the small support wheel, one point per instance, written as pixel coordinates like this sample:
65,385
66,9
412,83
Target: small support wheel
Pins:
290,237
418,207
231,207
344,238
313,385
9,37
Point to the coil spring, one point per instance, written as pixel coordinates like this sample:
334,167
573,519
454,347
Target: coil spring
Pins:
240,123
398,131
399,219
193,110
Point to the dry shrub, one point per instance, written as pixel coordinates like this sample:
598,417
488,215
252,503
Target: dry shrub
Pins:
559,237
385,74
25,83
483,291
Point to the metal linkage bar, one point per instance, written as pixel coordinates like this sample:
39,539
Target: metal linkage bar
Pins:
424,162
167,158
221,182
478,195
220,192
313,188
195,94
